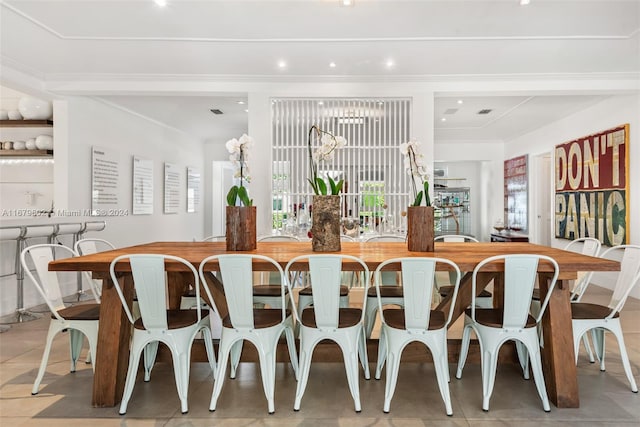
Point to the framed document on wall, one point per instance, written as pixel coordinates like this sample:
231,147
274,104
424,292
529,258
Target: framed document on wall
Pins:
592,187
516,194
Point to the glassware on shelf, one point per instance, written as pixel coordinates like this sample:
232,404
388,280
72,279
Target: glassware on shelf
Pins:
499,225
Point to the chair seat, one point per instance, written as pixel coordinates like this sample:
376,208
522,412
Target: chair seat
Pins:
80,312
394,318
492,317
176,319
344,291
347,317
584,310
268,291
446,290
386,292
262,318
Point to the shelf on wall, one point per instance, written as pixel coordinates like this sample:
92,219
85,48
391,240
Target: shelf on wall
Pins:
25,123
26,153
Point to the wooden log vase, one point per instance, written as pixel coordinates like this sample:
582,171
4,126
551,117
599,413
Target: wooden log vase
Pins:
241,228
325,231
420,229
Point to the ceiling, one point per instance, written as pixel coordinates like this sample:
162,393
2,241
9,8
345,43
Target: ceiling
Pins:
90,42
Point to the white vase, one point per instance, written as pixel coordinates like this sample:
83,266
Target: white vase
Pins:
35,109
44,142
31,144
7,145
19,145
14,115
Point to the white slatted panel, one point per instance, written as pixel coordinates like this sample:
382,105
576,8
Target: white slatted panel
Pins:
371,161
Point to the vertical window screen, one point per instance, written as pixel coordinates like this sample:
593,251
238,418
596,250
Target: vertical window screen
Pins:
376,188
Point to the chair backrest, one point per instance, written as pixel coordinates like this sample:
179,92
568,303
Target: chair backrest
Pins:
149,280
281,238
520,272
325,272
237,280
47,283
92,246
455,238
586,246
386,238
418,281
214,239
345,238
629,275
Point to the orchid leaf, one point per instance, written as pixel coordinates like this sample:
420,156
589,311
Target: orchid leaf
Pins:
332,183
418,200
322,186
338,187
426,193
244,196
232,195
313,186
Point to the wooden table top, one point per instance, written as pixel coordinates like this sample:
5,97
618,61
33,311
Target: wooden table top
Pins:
466,255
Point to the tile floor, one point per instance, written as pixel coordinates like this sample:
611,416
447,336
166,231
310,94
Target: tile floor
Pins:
65,399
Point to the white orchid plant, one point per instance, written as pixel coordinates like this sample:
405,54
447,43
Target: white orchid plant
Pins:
329,144
239,154
415,167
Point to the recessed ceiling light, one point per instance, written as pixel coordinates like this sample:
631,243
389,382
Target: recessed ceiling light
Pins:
241,102
389,63
246,111
282,64
347,2
444,119
380,103
320,103
460,101
524,2
332,64
160,3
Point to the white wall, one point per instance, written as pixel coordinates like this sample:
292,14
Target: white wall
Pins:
609,113
81,123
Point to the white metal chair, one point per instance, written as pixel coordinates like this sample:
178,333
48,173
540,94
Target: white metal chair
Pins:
415,322
599,318
213,239
269,293
261,326
586,246
390,291
326,319
91,246
79,320
175,328
494,327
485,299
188,299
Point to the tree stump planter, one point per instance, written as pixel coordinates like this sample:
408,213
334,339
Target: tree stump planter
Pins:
420,228
241,228
325,231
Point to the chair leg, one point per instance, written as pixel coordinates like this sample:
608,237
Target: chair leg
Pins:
134,361
587,346
536,367
393,367
617,331
464,349
523,358
291,345
208,345
223,358
306,352
597,336
350,355
150,352
370,316
76,339
181,373
489,364
53,330
236,352
382,352
442,374
266,353
362,352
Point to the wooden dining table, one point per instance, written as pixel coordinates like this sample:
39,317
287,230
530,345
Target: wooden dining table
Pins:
114,332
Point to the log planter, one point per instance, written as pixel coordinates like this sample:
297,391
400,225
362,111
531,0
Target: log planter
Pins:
241,228
325,231
420,228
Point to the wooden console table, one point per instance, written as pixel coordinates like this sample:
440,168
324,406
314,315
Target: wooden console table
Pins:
509,237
